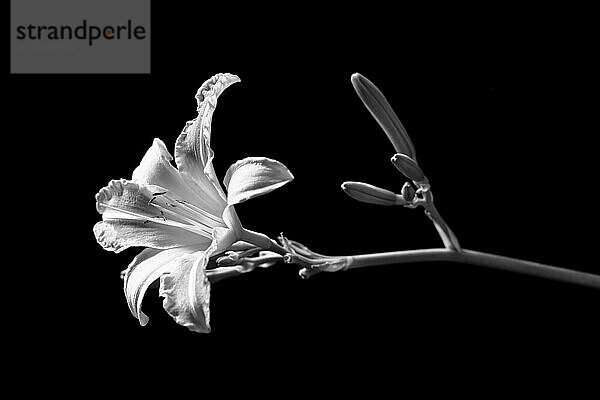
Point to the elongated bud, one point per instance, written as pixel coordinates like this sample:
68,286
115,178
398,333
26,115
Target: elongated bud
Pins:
371,194
332,265
240,245
265,259
383,113
409,167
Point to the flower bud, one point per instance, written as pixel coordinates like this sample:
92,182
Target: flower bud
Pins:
383,113
408,192
230,258
371,194
332,265
409,167
240,245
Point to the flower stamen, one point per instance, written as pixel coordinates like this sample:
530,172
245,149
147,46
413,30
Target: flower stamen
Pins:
187,212
192,228
200,211
178,215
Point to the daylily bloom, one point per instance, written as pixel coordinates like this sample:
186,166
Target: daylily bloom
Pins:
182,215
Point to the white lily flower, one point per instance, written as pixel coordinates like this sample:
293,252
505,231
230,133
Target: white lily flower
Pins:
182,215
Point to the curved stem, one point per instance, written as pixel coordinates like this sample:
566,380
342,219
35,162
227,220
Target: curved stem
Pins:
448,237
451,254
476,258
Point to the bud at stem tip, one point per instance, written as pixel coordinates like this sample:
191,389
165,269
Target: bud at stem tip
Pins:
383,113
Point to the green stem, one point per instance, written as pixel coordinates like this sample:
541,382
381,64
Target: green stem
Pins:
476,258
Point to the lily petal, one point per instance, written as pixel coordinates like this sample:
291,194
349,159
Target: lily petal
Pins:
124,197
193,154
120,234
146,268
129,219
156,169
254,176
186,291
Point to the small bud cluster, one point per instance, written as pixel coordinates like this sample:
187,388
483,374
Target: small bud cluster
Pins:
404,160
312,262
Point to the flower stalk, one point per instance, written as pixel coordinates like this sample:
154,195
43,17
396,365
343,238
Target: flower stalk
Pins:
476,258
313,263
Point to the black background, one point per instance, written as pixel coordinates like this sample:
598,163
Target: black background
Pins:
503,122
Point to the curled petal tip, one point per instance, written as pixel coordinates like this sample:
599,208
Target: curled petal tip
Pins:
214,86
